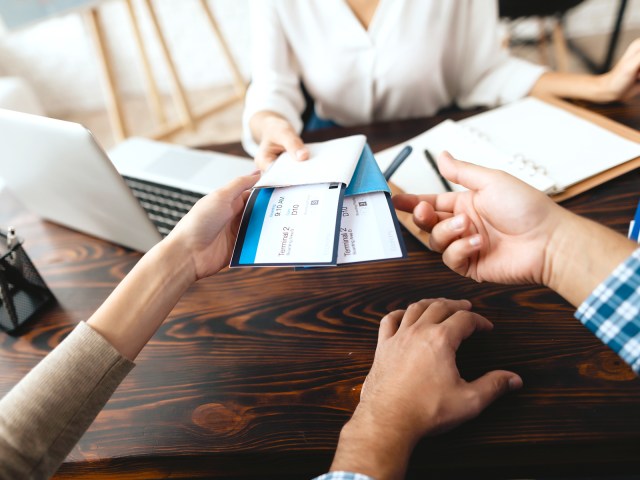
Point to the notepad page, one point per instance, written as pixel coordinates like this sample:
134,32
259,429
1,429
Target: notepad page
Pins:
568,147
415,175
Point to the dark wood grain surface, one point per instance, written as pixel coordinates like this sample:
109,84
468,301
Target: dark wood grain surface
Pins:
256,370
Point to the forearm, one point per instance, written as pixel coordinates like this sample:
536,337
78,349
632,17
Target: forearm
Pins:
46,413
573,85
142,301
580,255
365,448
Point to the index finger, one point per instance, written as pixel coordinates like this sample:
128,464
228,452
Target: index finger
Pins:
441,202
294,145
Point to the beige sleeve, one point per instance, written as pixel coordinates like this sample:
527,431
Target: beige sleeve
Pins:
46,413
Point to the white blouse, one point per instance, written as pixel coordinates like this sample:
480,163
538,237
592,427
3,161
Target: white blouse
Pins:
417,57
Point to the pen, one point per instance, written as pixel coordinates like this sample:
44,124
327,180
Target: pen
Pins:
11,237
433,164
401,157
11,241
635,232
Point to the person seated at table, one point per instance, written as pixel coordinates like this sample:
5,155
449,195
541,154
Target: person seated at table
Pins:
47,412
363,61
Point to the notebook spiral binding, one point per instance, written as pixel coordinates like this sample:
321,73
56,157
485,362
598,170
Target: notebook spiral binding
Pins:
518,161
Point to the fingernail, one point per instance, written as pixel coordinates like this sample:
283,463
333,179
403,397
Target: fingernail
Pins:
456,223
300,154
515,383
475,241
467,302
255,172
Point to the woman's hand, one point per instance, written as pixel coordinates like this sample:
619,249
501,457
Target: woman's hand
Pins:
208,232
623,81
276,135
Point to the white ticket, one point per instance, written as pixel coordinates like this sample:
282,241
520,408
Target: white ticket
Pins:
368,230
287,226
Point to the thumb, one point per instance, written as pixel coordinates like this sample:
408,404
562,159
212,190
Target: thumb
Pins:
491,386
469,175
238,185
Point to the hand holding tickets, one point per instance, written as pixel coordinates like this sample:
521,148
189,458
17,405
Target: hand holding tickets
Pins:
333,209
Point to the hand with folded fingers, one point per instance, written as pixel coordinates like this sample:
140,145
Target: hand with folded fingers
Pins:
498,230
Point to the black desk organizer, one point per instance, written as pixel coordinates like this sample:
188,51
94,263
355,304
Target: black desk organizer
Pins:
23,292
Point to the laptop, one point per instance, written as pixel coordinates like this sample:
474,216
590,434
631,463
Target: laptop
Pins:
133,197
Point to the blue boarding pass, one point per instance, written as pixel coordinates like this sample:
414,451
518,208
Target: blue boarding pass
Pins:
289,226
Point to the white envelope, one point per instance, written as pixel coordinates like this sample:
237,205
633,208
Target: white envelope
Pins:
333,161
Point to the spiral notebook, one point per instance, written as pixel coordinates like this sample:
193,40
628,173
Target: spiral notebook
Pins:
548,147
556,147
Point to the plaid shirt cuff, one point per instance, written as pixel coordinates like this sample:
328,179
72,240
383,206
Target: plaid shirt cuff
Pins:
612,311
343,476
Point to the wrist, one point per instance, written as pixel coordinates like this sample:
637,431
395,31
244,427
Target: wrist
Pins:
175,256
263,121
602,90
369,447
580,255
556,250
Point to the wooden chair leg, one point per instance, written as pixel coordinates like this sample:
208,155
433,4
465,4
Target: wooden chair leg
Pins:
560,47
114,102
543,50
180,98
239,82
506,40
153,96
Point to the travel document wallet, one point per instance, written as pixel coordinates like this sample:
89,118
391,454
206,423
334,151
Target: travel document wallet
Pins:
332,209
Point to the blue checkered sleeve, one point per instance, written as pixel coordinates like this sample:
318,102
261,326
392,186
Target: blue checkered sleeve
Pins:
612,311
343,476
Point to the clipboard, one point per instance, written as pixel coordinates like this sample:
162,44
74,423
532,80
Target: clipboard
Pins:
406,219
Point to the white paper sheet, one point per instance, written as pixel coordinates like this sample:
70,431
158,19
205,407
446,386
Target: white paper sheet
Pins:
333,161
367,230
541,144
570,148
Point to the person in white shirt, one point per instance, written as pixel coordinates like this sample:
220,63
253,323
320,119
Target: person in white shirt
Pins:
364,61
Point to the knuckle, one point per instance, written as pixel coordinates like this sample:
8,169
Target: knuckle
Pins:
438,337
474,402
425,302
391,316
439,304
414,306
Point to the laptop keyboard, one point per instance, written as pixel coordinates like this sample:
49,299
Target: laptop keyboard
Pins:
165,205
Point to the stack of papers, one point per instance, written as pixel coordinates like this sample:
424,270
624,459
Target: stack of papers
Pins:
332,209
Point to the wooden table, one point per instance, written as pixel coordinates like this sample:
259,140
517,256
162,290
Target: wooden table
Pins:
256,370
